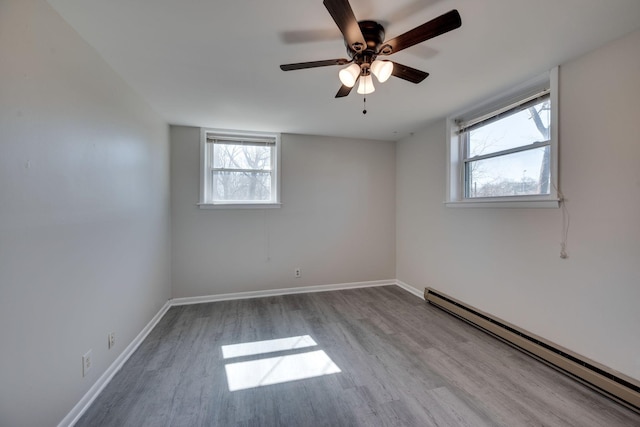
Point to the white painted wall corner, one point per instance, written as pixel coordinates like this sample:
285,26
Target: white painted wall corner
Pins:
81,407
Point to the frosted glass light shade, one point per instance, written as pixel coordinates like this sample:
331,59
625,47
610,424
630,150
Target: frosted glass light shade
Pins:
366,85
382,70
349,76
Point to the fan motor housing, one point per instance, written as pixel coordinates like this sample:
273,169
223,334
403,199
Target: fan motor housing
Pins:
373,34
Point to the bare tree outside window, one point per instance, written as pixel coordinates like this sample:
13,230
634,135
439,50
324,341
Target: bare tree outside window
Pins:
544,129
242,172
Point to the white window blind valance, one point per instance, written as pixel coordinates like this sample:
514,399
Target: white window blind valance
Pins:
240,140
476,122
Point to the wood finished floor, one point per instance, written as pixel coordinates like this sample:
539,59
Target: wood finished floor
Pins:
403,362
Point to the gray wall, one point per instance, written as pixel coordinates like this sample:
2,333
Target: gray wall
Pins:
337,221
84,214
85,231
506,261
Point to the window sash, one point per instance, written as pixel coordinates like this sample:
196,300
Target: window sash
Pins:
214,182
211,149
464,133
211,143
503,152
468,162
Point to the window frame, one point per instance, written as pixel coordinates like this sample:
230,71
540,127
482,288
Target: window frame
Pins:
456,147
207,169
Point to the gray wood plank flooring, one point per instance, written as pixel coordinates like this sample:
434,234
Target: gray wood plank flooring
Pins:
402,361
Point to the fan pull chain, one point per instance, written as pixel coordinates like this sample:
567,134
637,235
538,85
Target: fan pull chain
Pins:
365,106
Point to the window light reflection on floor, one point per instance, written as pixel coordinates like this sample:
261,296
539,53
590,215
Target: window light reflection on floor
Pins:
279,369
275,370
268,346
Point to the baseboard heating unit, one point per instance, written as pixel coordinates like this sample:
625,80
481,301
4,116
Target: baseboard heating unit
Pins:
617,386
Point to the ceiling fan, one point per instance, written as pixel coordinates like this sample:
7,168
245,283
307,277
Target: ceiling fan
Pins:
365,42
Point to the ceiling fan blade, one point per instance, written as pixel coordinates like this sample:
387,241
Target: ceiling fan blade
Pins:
409,74
440,25
344,91
310,36
314,64
341,12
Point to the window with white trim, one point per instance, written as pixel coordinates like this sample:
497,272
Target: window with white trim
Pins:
239,169
505,153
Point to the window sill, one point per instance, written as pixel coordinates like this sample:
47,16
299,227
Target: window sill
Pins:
239,205
501,203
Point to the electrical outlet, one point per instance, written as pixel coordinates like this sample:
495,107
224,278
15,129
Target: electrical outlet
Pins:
111,340
297,272
87,362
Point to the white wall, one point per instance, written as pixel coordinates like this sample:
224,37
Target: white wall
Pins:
84,214
506,261
337,221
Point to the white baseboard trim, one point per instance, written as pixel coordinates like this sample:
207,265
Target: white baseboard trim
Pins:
81,407
417,292
276,292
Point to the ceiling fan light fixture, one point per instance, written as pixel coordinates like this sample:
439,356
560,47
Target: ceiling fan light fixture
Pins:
366,85
365,40
348,76
382,70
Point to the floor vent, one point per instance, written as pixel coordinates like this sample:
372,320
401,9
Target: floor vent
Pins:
619,387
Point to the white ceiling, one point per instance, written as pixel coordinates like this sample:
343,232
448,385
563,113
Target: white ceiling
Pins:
215,63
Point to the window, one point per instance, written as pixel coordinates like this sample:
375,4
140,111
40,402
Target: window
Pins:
508,154
239,169
505,153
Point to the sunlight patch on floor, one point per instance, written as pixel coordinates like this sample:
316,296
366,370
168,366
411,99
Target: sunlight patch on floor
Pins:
268,346
275,370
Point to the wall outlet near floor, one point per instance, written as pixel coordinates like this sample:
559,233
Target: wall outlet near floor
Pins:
87,362
297,272
111,340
